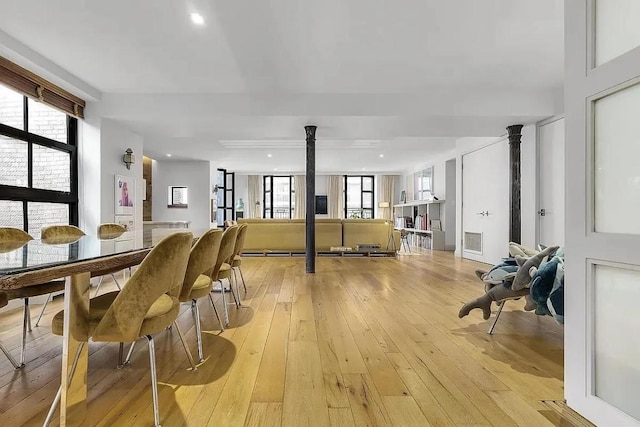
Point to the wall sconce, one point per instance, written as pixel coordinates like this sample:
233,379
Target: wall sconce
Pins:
128,158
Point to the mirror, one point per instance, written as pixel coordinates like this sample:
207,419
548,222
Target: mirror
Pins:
177,197
423,184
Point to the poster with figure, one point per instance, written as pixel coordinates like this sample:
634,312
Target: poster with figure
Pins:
125,190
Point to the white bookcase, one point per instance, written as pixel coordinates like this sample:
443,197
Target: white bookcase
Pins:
422,221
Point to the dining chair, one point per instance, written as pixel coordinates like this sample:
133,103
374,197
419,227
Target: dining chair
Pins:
147,305
4,300
109,231
222,268
236,261
53,234
197,282
12,237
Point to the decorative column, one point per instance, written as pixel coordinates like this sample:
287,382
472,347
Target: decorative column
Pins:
311,199
515,217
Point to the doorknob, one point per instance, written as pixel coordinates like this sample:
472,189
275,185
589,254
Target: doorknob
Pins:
542,212
480,213
486,213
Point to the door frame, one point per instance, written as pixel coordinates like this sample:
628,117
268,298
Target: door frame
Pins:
501,138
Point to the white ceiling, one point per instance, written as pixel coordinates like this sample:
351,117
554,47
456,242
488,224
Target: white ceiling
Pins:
417,72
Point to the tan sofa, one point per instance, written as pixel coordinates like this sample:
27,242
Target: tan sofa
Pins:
288,235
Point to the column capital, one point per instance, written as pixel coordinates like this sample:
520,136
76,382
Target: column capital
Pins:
311,132
515,134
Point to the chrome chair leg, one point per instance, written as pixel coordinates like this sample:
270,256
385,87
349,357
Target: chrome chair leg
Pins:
244,284
196,319
44,306
56,400
113,276
127,360
25,327
237,291
495,321
224,305
154,380
215,310
10,357
98,287
186,348
28,314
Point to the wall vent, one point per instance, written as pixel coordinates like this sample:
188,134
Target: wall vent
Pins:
473,242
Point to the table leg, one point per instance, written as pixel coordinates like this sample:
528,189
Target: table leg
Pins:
73,405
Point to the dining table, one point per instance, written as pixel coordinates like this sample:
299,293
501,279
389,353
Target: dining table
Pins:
78,259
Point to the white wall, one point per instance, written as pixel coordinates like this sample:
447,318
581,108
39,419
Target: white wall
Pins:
195,175
449,216
528,174
103,143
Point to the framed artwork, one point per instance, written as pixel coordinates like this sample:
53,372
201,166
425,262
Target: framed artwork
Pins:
127,221
125,194
177,197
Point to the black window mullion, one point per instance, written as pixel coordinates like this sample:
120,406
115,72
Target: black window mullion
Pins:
25,217
72,139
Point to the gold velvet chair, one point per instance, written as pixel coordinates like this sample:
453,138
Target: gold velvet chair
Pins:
222,268
197,280
236,261
4,300
109,231
13,238
147,305
54,234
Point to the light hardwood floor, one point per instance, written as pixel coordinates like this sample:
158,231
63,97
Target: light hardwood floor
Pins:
364,341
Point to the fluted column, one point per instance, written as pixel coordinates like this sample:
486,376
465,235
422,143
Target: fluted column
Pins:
311,199
515,183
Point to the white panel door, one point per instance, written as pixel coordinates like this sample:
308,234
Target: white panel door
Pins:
551,183
485,203
602,262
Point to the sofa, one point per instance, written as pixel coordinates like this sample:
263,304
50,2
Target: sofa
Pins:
288,235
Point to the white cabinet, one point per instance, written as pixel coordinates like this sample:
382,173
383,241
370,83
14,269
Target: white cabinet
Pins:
422,221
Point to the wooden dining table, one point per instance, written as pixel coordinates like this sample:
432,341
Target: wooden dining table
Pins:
40,261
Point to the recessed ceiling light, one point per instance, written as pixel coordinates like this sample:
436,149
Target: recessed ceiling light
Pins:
364,169
269,155
275,169
197,19
168,155
381,155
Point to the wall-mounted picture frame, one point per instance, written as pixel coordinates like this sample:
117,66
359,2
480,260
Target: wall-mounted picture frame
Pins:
124,195
178,197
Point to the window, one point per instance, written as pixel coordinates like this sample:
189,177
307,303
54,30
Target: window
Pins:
358,196
279,201
423,184
226,195
38,164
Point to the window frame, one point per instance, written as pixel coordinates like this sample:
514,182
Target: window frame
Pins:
269,193
29,194
362,192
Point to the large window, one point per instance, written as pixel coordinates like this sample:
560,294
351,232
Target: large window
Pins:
358,196
38,164
279,201
423,184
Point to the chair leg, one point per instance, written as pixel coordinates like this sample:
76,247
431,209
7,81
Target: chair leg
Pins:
44,306
495,321
215,310
10,357
56,400
127,360
237,291
244,284
186,349
25,327
154,380
113,276
196,319
28,314
224,305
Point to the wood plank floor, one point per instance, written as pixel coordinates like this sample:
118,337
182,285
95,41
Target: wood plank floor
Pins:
364,341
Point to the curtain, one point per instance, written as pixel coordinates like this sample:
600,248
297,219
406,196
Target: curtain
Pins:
335,196
387,188
300,188
254,197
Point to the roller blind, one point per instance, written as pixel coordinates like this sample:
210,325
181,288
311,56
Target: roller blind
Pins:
33,86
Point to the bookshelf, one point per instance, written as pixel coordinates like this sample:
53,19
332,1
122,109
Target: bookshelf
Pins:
422,221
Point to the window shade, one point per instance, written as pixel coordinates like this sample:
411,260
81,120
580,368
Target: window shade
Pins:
29,84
